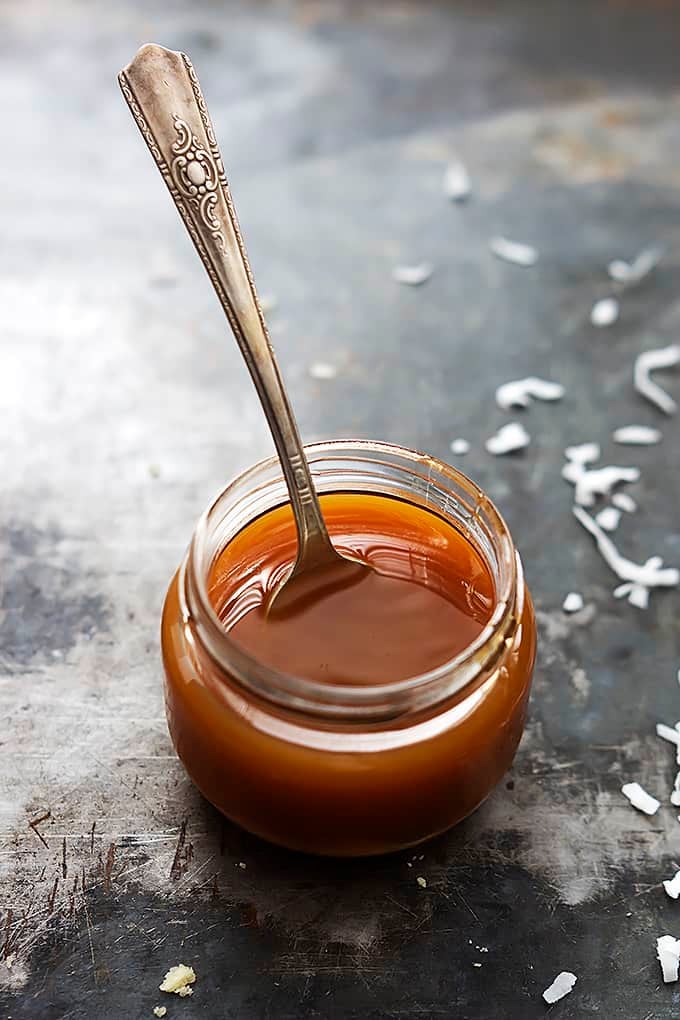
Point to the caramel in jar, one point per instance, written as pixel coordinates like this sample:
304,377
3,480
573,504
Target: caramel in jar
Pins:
377,716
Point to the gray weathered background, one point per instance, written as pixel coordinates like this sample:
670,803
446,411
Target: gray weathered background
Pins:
125,407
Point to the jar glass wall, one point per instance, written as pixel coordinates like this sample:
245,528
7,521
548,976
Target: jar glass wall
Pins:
339,769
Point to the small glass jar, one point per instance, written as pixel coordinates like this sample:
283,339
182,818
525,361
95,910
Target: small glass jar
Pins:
347,770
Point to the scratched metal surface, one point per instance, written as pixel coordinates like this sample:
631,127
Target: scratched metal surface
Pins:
125,407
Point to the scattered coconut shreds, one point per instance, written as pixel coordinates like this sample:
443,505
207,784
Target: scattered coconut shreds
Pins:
422,882
662,357
460,447
520,392
457,185
594,482
178,980
622,501
641,266
413,276
586,453
639,579
675,795
513,251
561,986
509,438
640,799
672,886
608,518
159,1011
322,370
573,602
668,955
604,312
637,435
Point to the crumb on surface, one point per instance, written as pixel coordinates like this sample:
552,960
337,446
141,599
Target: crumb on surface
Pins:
159,1011
178,979
422,882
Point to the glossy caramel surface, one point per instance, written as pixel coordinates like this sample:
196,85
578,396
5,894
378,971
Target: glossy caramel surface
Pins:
429,596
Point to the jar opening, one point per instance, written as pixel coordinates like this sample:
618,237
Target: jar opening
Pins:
357,466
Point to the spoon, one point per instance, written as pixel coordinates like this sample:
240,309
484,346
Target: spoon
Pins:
164,95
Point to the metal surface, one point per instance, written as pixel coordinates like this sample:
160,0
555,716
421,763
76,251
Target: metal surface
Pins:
164,95
124,411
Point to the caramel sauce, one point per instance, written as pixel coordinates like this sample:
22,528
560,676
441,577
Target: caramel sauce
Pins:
428,597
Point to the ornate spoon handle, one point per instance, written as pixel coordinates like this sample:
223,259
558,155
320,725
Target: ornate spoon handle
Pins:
165,98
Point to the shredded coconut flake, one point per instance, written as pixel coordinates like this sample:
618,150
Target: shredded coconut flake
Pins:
637,435
609,518
604,312
513,251
640,799
633,272
457,185
594,482
586,453
159,1011
672,886
675,795
622,501
413,276
649,361
510,437
422,882
639,579
322,370
668,954
460,447
573,602
669,733
520,392
561,986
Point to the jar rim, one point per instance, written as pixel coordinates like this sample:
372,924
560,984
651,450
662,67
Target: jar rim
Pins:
376,700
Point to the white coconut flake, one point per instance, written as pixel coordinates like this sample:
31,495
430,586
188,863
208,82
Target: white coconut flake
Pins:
640,799
513,251
637,435
672,886
639,578
594,482
669,733
460,447
510,437
649,361
675,795
322,370
608,518
641,266
457,185
520,392
573,602
604,312
413,276
586,453
622,501
561,986
668,955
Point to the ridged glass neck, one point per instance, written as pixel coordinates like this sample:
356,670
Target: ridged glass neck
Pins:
356,466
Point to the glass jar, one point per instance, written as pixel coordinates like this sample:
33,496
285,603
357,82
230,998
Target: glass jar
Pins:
347,770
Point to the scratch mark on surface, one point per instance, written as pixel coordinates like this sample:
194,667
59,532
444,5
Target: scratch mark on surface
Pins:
108,867
36,822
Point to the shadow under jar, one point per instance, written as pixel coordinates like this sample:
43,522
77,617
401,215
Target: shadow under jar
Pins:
344,769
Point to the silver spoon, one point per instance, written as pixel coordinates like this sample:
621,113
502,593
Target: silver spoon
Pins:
165,98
